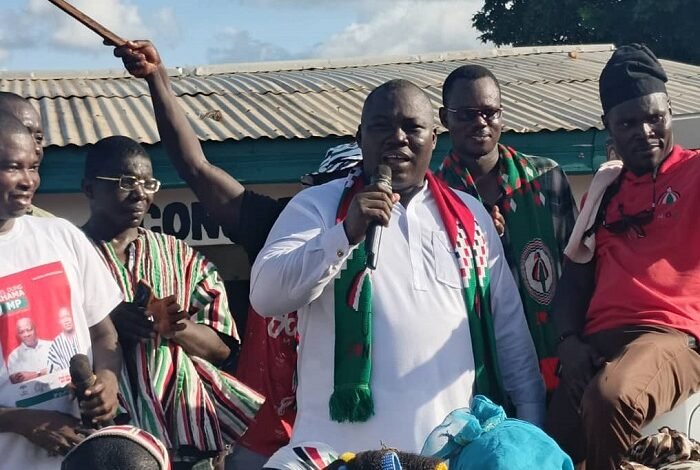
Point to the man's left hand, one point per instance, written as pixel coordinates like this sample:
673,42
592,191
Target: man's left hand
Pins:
167,316
101,403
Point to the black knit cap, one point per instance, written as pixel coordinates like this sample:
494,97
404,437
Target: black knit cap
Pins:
632,71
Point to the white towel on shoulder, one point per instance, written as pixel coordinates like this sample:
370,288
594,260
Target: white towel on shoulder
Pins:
580,249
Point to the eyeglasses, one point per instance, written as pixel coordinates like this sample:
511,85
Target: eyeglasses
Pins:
635,222
130,183
469,114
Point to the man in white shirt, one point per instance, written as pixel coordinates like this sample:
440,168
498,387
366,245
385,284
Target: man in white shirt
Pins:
422,359
48,264
28,360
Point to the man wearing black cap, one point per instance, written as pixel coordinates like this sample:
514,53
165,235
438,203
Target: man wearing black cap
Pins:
627,310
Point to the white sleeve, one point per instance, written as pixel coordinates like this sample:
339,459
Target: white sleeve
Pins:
301,256
517,356
101,294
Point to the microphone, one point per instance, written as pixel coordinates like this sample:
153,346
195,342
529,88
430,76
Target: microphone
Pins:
382,178
82,377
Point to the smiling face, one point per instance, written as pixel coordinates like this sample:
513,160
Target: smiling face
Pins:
27,332
19,174
116,207
398,130
475,136
641,131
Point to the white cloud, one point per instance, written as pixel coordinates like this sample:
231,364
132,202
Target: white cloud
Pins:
121,17
167,27
38,23
240,46
383,27
406,27
16,32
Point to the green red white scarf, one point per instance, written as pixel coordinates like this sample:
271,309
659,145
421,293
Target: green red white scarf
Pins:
352,395
532,245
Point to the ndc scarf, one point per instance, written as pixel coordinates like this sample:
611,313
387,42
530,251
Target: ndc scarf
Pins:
532,249
352,394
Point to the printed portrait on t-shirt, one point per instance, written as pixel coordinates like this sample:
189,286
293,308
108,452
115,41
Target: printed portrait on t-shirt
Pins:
37,332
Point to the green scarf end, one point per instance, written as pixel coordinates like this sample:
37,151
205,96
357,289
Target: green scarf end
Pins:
353,404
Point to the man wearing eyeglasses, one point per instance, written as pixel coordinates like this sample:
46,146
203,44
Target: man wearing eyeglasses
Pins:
176,344
627,310
529,197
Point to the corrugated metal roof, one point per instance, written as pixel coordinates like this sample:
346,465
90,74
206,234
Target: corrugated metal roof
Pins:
544,88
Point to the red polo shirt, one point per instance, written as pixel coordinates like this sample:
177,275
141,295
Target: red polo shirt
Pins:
652,278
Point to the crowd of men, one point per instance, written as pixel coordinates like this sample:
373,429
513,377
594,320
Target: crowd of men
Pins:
491,294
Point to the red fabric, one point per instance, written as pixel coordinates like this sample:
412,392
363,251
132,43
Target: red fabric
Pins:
268,364
451,209
653,279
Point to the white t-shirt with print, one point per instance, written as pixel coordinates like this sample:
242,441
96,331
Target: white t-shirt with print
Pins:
48,265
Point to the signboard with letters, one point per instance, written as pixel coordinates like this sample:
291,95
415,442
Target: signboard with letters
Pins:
175,211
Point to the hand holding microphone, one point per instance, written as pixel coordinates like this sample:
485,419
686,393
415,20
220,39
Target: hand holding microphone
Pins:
96,393
369,210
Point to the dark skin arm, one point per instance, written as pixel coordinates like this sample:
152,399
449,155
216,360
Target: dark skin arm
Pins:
101,399
579,360
202,341
220,193
58,432
196,339
55,432
572,297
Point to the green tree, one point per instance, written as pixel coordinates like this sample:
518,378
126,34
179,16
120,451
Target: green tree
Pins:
669,27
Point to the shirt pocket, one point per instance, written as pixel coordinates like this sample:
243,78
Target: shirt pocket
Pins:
446,267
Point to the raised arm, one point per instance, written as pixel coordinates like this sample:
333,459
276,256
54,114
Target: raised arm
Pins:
220,193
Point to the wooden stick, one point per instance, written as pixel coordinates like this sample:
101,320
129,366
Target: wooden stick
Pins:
103,32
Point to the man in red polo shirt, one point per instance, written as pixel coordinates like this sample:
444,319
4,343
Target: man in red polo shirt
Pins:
627,310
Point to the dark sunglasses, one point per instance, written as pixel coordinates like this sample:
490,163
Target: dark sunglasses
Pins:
467,114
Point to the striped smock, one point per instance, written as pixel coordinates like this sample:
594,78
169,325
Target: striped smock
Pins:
182,400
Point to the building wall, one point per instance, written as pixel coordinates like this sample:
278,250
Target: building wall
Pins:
271,167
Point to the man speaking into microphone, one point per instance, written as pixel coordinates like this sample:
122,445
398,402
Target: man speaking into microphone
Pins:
385,354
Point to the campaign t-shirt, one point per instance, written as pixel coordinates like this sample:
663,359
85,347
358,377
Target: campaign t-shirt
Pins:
53,288
650,275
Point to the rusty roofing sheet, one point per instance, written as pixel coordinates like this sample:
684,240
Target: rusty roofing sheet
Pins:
546,88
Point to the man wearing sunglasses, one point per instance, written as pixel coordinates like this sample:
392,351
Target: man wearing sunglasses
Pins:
627,311
529,197
176,344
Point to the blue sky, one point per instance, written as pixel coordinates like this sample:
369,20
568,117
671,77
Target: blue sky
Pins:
34,35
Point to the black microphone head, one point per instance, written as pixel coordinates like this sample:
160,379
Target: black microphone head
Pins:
81,372
382,177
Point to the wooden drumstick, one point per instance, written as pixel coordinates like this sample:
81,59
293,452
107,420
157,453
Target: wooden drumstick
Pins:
103,32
